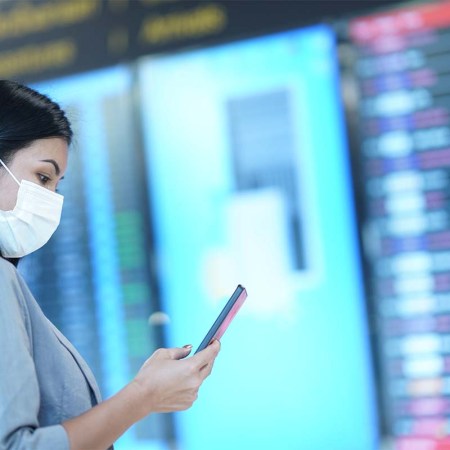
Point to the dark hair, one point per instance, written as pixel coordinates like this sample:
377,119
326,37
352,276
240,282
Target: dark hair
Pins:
27,115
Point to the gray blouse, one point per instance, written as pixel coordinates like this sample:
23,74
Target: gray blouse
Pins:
43,379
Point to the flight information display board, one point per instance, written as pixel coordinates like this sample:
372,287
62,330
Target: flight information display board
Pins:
402,73
93,279
249,182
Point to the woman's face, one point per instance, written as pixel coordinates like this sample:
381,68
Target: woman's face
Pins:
44,162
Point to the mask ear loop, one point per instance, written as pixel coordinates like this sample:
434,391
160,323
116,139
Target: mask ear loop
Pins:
4,165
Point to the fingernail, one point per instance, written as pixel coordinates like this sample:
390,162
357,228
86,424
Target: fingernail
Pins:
187,346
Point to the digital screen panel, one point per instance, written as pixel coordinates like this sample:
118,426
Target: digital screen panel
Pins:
93,278
402,73
250,184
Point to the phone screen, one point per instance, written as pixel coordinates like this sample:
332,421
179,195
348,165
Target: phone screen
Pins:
225,317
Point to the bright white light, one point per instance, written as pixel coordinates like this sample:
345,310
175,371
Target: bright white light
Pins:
412,284
408,202
395,144
423,367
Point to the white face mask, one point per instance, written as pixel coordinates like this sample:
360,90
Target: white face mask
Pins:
32,221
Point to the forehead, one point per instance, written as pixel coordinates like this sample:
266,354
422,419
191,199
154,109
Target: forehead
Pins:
41,149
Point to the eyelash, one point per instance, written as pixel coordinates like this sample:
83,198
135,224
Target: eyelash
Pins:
43,179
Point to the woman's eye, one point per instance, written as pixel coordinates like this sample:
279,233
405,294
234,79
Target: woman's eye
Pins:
43,179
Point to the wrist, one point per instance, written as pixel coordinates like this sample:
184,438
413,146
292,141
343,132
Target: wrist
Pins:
136,399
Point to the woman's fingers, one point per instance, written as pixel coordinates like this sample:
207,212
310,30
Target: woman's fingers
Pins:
204,359
172,353
169,384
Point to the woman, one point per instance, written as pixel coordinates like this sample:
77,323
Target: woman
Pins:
48,396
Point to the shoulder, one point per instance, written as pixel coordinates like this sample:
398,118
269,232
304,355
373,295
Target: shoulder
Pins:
10,280
13,304
6,268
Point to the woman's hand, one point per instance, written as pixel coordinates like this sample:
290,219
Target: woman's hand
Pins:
167,382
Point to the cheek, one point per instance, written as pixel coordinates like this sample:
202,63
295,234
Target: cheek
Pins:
8,197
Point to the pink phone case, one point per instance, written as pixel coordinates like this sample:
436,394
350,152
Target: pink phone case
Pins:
225,317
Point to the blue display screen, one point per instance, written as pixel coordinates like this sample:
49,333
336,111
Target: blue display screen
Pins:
249,184
93,279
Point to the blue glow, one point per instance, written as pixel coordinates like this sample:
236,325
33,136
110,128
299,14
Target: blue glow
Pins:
79,91
83,95
294,371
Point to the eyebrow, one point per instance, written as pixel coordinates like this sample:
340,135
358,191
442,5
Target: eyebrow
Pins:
55,164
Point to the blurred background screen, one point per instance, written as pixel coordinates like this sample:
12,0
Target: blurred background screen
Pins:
398,62
239,141
299,148
93,278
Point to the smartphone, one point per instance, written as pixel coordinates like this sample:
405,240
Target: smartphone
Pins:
225,317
